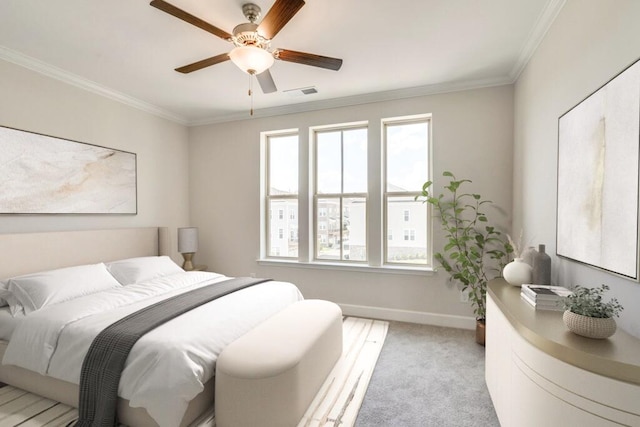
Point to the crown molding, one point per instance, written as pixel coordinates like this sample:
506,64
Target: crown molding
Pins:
82,83
543,23
348,101
537,34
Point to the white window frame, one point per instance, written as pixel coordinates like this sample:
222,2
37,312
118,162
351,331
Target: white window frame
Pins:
418,118
265,197
377,235
314,131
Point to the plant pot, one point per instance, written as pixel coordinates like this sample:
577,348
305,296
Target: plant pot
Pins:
590,327
480,331
517,272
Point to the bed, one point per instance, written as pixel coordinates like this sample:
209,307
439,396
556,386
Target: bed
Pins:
53,370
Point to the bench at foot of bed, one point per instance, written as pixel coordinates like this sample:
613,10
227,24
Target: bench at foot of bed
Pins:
269,376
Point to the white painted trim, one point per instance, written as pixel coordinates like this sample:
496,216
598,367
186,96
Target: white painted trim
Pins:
82,83
367,98
546,18
539,31
345,266
447,320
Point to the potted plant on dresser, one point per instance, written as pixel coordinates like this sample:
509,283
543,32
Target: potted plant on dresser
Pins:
474,251
587,314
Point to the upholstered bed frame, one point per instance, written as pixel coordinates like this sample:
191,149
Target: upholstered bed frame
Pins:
23,253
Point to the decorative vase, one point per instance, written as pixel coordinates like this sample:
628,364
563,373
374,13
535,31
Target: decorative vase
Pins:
590,327
517,272
528,255
541,267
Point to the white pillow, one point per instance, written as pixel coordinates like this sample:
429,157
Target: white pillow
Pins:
7,299
37,290
135,270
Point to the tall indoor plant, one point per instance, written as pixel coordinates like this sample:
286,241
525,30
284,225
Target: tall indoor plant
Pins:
474,251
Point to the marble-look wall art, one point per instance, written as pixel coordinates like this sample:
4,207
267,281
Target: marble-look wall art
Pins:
42,174
598,149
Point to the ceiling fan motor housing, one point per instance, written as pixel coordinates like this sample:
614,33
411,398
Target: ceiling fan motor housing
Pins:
247,35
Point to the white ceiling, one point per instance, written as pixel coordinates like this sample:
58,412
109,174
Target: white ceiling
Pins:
128,50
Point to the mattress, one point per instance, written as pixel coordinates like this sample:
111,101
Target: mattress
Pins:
47,347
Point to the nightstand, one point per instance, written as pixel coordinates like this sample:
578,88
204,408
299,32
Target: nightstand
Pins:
199,268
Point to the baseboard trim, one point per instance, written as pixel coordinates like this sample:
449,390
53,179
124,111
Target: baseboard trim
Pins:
451,321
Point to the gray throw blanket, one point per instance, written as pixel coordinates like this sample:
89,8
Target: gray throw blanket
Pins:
104,362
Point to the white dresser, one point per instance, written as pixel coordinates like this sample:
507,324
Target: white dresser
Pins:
538,373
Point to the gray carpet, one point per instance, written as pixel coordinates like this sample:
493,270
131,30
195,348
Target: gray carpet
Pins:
428,376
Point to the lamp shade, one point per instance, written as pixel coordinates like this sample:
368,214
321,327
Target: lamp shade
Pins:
251,59
187,239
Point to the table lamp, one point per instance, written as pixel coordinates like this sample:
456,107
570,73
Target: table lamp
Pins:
188,245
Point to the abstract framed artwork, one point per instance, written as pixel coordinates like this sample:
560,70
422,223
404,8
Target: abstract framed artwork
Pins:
42,174
598,151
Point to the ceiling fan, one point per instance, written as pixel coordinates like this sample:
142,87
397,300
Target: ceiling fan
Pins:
252,52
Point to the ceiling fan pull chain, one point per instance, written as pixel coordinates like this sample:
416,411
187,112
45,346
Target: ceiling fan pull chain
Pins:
251,91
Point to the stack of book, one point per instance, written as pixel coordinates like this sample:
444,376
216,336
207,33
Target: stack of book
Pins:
544,297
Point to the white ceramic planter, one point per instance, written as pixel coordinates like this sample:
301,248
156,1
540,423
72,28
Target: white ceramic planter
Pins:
590,327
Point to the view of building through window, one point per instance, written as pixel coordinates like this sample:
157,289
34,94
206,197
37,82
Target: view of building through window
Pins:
341,194
407,168
340,173
282,195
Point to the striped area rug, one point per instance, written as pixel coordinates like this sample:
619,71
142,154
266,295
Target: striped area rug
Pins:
20,408
339,399
336,404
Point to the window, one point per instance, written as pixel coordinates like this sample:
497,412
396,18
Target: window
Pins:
409,234
341,193
406,160
281,189
358,189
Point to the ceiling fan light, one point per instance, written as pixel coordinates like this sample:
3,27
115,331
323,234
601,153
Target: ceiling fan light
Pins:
251,59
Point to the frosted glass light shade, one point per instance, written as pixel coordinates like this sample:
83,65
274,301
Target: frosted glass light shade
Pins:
187,240
251,59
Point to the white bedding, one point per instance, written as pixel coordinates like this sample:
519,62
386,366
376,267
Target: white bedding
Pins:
169,365
8,322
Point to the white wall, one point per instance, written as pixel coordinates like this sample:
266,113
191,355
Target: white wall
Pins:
589,43
37,103
473,137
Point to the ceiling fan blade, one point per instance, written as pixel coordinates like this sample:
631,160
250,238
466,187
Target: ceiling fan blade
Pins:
266,82
203,64
278,16
309,59
187,17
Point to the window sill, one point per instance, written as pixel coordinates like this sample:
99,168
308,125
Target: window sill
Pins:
361,268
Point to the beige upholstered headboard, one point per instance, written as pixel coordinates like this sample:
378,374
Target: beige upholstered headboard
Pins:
23,253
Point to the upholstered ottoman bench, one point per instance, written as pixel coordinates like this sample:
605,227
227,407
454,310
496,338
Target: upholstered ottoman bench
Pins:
269,376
